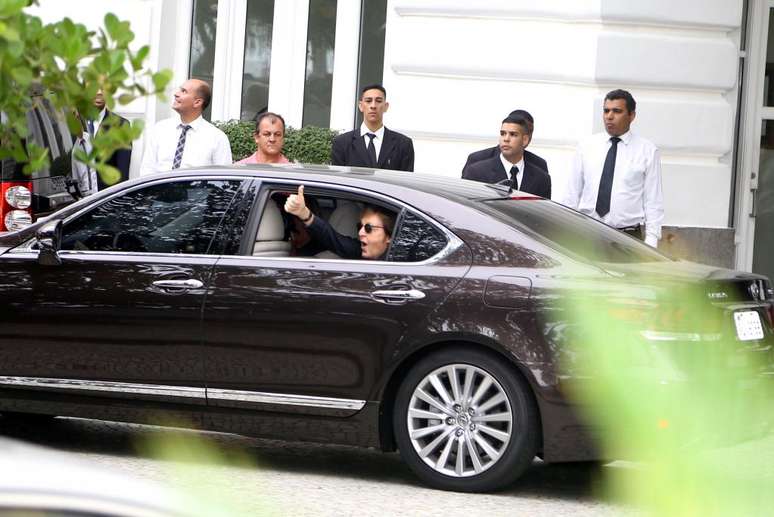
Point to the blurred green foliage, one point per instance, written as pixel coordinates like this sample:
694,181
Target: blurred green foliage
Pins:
306,145
664,379
68,64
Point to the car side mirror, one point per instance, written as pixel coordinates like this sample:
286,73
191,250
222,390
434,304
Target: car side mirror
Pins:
49,238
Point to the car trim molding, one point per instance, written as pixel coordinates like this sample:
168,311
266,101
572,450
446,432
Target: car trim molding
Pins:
188,392
284,399
89,385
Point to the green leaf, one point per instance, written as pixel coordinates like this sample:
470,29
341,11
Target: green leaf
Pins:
10,8
138,58
119,31
125,99
161,79
109,174
22,76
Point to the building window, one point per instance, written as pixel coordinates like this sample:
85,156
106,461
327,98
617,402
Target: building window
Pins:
318,84
257,62
203,28
373,18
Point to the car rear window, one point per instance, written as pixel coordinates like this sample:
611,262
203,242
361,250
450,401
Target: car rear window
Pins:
569,231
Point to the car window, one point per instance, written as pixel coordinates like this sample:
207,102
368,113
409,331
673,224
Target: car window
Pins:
175,217
415,240
571,231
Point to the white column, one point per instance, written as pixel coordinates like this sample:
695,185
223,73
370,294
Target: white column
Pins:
229,59
345,65
288,60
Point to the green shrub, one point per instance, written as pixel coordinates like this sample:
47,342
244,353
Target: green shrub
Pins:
306,145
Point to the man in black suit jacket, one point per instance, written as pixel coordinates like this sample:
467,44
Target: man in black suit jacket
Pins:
491,152
372,144
514,137
121,158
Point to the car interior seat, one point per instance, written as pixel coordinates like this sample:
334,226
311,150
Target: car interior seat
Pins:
270,241
344,219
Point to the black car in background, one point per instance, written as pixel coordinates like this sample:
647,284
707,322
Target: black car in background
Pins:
23,197
179,298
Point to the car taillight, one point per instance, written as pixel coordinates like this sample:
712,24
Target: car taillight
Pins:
19,196
15,205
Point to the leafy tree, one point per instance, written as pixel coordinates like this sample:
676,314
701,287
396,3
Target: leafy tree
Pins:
69,64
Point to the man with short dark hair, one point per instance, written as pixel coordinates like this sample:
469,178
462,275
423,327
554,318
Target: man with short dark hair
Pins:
373,145
121,159
186,140
269,139
492,152
616,175
510,165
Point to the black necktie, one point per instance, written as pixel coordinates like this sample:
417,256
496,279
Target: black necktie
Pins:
514,180
372,149
180,146
606,182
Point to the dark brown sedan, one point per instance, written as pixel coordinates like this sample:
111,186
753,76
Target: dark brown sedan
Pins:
195,298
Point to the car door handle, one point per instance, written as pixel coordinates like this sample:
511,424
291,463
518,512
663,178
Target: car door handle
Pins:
398,295
190,283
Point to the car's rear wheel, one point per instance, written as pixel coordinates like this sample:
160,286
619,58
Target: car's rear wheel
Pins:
465,420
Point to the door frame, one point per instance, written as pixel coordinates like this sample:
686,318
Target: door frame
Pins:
752,116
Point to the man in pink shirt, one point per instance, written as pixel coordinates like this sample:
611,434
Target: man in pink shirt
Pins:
269,138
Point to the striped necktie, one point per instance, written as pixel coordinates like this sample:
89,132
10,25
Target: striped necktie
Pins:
180,146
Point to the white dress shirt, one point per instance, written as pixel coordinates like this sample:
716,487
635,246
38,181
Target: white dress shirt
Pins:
377,141
98,122
204,145
82,174
636,196
507,166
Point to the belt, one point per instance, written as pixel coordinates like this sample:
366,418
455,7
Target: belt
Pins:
634,228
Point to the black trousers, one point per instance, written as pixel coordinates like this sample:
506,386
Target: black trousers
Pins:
635,231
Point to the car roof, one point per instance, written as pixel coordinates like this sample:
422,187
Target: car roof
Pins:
436,184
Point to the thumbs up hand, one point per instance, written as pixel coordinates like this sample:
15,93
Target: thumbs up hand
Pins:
296,205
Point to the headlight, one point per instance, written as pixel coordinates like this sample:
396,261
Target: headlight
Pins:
19,197
17,219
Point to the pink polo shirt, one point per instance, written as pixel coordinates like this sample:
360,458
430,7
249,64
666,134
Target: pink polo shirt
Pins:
253,158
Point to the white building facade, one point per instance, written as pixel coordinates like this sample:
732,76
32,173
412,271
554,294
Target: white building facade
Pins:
453,69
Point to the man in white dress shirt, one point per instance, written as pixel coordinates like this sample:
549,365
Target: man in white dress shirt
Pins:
186,140
616,176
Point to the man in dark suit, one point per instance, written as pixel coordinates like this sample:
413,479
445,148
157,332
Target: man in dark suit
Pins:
372,144
511,164
121,159
491,152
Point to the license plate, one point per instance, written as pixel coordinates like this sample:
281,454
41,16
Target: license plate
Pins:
748,325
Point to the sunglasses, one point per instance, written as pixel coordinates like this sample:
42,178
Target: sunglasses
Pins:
368,227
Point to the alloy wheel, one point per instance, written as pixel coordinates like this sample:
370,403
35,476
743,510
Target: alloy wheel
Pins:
459,420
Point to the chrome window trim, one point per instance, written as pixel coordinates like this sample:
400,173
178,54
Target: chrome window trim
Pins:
284,399
120,254
183,392
452,245
108,386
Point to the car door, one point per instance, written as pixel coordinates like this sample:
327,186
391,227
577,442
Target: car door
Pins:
121,315
286,333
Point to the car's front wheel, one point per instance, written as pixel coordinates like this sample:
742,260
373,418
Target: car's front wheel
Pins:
465,420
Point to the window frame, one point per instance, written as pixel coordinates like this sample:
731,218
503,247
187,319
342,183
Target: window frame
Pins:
267,187
244,183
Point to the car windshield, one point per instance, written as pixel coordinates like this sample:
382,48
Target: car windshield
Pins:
569,231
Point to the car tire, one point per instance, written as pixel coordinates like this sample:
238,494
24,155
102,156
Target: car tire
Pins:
478,435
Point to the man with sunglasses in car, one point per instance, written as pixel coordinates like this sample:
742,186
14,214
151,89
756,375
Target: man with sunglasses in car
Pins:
374,230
